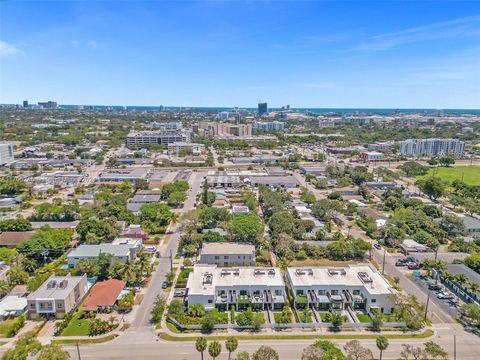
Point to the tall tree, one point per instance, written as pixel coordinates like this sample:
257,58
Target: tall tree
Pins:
201,345
231,344
382,344
214,349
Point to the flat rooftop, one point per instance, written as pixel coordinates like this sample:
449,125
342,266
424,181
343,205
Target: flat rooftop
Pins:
56,287
227,248
353,275
206,278
95,250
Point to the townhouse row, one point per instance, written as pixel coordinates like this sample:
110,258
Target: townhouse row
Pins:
355,287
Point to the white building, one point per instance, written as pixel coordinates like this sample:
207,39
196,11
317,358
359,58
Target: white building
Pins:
122,253
12,306
227,254
6,154
191,148
432,147
269,126
139,139
357,287
372,155
259,288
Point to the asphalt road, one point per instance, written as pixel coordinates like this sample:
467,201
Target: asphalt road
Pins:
124,347
142,316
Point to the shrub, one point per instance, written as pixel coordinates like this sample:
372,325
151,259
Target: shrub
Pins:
16,326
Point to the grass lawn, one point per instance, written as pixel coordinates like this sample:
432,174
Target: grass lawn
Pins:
77,327
364,318
471,174
5,326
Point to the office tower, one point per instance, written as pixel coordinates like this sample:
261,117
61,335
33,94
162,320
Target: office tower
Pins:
25,103
262,108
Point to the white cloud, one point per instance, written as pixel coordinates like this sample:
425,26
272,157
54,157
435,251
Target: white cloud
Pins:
74,43
7,50
457,28
92,44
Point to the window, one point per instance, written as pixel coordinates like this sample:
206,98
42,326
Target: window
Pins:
356,292
374,300
334,292
210,301
278,292
32,306
243,292
217,257
321,292
299,292
225,257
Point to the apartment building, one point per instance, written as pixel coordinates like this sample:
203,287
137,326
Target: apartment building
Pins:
219,129
432,147
6,154
357,287
372,155
57,296
139,139
242,287
227,254
268,126
189,148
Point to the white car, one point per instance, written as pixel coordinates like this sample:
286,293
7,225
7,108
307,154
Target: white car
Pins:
445,296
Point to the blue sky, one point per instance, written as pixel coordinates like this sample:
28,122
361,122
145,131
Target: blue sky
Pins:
407,54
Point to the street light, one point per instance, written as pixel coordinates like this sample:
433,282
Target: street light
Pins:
426,306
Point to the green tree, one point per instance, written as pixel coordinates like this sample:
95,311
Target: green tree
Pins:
214,349
433,187
158,308
231,345
27,345
15,225
330,350
336,320
201,345
382,344
243,355
246,228
355,351
208,322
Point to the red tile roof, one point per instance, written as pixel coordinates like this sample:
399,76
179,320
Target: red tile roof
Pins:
104,293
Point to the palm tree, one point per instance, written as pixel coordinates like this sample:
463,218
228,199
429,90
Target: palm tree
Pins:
461,279
231,344
474,289
214,349
201,345
382,344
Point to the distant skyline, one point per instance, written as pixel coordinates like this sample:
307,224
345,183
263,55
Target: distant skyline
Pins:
312,54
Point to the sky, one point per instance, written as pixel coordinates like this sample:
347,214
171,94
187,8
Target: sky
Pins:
311,54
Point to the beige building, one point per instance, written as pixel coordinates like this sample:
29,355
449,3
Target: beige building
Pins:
57,296
227,254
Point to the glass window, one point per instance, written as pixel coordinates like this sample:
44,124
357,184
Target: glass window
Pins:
321,292
334,292
356,292
299,292
374,300
278,292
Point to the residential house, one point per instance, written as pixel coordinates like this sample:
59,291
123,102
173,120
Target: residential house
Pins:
11,239
12,306
57,296
122,253
104,295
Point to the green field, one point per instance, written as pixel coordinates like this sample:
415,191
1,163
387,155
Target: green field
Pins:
470,174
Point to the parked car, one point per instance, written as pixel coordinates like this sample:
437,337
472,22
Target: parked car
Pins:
179,293
164,285
400,263
435,286
445,296
377,246
413,266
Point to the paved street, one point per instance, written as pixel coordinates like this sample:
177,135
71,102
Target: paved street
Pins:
126,347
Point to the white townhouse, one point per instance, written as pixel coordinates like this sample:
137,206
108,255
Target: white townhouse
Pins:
242,287
227,254
358,287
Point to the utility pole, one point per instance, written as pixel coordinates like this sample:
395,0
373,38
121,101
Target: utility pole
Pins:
383,264
454,347
426,306
78,352
171,260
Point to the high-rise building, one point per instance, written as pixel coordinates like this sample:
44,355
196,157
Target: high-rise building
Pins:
432,147
6,154
48,105
262,108
25,103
